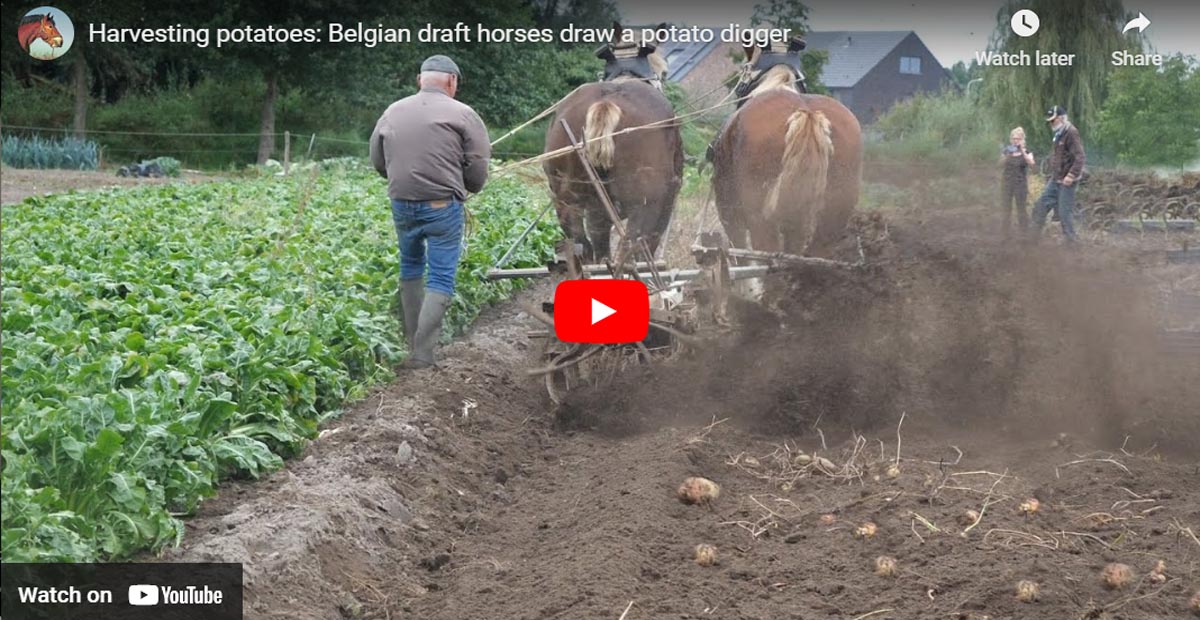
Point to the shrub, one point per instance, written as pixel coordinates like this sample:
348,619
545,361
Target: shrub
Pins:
946,132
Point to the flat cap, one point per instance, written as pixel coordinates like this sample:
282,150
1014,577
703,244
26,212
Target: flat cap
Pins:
441,64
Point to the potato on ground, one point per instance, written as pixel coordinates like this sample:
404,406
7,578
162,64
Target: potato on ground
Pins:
885,566
697,490
1028,591
1116,576
705,555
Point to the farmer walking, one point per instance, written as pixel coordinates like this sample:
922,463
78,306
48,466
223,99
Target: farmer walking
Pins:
1066,166
433,150
1014,180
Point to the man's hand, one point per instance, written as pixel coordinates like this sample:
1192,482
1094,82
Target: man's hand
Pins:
1068,180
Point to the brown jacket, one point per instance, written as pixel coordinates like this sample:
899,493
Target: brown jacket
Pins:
431,147
1068,156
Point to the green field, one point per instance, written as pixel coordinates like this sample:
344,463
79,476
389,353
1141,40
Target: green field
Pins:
156,340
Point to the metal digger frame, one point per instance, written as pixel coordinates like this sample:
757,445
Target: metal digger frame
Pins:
687,306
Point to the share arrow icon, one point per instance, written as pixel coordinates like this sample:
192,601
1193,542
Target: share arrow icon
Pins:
1140,22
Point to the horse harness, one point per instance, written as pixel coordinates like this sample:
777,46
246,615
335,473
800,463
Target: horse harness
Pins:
766,60
628,62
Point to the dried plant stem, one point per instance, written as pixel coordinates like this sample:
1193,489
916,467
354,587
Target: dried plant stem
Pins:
1108,460
987,501
873,613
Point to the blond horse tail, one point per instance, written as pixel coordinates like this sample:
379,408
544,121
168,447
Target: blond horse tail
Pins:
807,150
602,118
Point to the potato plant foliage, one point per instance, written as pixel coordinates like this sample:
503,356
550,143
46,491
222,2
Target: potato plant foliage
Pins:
158,339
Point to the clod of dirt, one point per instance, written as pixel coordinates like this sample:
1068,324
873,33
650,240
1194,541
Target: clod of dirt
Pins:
705,555
1028,591
1194,604
885,566
828,519
1116,576
697,490
436,562
866,530
968,517
1159,574
1030,506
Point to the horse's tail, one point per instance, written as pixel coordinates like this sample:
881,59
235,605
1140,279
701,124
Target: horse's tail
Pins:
808,147
602,118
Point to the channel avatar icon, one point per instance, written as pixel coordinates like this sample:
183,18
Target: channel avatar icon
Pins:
46,33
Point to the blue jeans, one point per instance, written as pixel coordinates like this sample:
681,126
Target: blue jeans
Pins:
1061,199
429,236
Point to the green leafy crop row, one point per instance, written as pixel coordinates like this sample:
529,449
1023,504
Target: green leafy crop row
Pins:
38,152
158,339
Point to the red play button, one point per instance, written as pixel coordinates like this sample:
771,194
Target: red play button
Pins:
601,311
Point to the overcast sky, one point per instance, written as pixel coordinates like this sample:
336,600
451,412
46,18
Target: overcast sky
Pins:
953,29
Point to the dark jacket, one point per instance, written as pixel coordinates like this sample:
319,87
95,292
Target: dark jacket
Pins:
1015,167
1068,156
431,147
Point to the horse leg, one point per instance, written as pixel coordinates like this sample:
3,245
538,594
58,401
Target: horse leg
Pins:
664,210
599,229
644,224
766,236
570,217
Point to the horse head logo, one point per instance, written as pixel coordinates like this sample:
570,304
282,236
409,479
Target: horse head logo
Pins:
41,34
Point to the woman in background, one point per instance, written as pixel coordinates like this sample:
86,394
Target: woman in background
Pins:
1014,180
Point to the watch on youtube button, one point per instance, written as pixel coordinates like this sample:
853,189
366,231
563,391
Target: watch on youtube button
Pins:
601,311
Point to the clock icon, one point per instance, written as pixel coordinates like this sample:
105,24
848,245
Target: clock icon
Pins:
1025,23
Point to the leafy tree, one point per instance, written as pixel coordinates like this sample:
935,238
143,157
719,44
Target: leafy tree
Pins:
790,14
793,15
962,73
558,14
1152,117
1090,29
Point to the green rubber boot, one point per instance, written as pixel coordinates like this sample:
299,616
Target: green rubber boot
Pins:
411,296
429,327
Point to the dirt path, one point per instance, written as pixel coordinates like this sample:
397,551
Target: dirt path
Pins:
17,185
461,494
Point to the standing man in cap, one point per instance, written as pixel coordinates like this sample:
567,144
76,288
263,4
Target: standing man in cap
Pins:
1066,167
433,150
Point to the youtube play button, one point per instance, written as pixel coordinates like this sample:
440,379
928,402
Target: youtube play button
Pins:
601,311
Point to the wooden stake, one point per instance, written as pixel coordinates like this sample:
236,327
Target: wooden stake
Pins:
287,151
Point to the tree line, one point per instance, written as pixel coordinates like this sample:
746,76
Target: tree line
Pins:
332,89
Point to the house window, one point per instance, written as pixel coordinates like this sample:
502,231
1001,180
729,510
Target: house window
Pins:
910,65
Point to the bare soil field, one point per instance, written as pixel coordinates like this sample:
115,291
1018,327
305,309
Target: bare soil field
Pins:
17,184
999,412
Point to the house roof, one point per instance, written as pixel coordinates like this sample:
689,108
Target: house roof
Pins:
683,57
852,53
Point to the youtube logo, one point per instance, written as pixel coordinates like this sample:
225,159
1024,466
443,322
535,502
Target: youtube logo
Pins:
601,311
143,594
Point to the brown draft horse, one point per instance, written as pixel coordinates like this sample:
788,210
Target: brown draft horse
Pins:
787,166
34,27
641,170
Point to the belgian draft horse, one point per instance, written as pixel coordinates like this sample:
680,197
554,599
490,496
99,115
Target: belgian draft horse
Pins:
34,27
641,170
787,165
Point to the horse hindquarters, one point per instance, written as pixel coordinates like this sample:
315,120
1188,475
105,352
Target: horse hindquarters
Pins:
797,198
641,170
